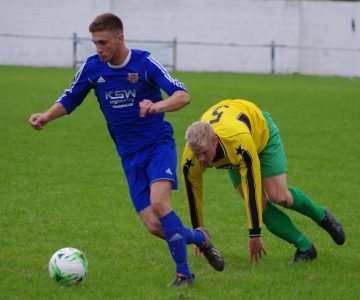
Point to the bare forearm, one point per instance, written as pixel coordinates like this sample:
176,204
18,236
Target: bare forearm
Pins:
56,111
39,120
177,101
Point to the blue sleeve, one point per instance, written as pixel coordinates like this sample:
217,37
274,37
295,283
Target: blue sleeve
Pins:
158,75
78,90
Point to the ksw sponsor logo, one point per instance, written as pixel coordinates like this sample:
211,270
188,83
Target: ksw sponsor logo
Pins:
121,98
120,95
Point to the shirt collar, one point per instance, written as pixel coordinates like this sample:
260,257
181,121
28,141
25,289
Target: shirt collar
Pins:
220,151
127,59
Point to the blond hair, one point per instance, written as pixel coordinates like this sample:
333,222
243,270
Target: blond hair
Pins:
198,135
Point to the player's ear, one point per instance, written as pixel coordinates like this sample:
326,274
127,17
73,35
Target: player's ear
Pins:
215,140
118,35
121,38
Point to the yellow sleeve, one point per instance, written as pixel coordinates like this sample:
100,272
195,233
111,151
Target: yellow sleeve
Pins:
251,183
193,186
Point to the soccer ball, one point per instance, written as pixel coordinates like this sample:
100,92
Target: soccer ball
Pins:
68,266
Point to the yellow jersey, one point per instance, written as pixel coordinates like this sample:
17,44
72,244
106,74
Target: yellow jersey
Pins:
243,133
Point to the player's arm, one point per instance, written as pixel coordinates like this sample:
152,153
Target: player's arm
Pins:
176,90
193,186
39,120
71,98
176,101
252,189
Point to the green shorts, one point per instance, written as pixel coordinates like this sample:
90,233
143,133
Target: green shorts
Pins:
272,158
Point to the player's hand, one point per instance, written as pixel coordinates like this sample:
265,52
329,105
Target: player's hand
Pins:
256,249
197,251
38,121
147,107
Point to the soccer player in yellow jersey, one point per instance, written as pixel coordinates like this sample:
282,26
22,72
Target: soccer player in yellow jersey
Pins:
238,136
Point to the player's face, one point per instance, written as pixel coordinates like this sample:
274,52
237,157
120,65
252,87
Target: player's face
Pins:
108,46
206,152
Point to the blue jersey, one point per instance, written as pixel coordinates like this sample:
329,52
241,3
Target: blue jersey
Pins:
119,89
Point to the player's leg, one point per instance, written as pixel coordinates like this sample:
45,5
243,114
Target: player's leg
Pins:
161,171
162,178
273,169
278,222
171,224
278,191
178,236
151,200
153,225
140,193
306,206
275,220
151,221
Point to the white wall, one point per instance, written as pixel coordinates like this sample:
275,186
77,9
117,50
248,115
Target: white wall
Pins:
48,18
250,23
329,25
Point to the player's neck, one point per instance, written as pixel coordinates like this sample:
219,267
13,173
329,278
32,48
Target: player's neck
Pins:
121,57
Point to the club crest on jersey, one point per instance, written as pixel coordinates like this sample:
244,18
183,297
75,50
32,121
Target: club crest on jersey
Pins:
133,77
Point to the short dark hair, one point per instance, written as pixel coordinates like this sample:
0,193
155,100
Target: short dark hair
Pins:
106,22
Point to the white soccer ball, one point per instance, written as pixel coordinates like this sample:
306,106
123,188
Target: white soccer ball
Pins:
68,266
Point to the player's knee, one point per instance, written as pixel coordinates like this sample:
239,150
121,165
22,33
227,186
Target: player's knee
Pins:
160,208
280,198
279,201
157,207
154,227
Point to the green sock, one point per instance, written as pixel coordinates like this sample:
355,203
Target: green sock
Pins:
305,206
278,223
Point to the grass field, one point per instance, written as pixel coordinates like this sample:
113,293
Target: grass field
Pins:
64,186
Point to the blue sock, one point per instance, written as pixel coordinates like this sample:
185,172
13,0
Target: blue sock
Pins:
175,237
194,237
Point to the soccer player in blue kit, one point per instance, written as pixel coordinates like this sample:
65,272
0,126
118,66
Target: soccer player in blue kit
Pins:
128,84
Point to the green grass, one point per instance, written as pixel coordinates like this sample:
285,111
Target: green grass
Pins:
64,186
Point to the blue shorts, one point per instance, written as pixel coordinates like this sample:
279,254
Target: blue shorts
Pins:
155,162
